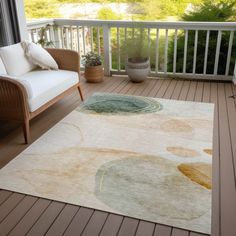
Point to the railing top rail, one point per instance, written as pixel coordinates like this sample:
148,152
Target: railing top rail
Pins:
151,24
39,23
137,24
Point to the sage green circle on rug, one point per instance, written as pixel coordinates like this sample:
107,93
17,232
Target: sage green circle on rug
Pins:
120,104
150,188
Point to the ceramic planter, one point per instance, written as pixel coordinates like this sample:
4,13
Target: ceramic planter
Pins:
138,69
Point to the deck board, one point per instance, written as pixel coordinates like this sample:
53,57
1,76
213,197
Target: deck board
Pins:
22,214
62,221
17,214
79,222
228,193
25,224
128,227
112,225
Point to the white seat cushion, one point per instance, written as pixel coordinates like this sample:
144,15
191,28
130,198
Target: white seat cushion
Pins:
2,67
43,85
15,61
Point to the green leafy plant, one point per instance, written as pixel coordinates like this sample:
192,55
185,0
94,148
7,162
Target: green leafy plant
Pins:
218,11
91,59
135,46
42,34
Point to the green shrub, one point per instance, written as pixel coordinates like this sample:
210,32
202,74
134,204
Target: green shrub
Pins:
41,9
106,13
220,11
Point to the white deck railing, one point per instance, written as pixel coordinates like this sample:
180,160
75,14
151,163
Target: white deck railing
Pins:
170,52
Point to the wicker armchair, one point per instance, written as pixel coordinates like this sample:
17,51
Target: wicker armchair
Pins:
14,98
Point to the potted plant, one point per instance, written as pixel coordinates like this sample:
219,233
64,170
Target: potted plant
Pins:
137,58
93,67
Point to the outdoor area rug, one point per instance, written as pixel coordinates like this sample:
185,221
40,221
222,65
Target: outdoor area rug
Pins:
141,157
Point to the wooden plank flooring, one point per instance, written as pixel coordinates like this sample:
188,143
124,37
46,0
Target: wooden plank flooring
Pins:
28,215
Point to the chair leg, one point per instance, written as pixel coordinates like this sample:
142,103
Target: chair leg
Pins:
80,92
26,131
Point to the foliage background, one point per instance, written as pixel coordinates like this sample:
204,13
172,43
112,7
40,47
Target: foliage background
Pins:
201,10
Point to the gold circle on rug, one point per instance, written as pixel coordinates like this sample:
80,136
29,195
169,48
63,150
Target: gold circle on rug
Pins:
200,173
177,126
182,152
208,151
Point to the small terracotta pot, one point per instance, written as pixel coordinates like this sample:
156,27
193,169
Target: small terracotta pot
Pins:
94,74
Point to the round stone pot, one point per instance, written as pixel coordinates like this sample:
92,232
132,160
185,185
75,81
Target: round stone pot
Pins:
138,69
94,74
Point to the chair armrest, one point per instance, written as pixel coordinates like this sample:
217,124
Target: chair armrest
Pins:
66,59
13,100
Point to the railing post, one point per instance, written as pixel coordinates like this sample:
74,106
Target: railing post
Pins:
234,75
107,50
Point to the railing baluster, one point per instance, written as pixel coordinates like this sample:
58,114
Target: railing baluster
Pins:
149,44
118,47
51,35
206,52
67,38
175,51
229,52
125,34
56,36
71,37
91,37
217,52
185,51
78,40
133,33
98,41
125,42
37,35
62,37
84,41
166,52
195,51
157,50
32,35
107,50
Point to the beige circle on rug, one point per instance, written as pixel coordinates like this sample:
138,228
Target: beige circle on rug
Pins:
208,151
182,152
200,173
176,126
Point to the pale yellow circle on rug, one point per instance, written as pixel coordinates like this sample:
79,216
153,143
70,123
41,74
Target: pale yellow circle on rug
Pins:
208,151
200,173
182,152
176,126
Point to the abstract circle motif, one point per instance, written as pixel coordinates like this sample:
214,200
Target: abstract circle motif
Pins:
208,151
149,186
199,173
182,152
120,104
176,126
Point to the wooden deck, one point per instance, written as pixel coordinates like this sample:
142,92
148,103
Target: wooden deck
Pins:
22,214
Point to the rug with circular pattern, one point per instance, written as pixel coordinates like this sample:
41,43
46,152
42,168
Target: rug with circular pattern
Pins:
146,158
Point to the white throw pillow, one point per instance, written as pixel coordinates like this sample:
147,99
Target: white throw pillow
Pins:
39,56
15,61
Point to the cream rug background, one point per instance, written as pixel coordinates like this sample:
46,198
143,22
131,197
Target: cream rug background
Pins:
155,166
